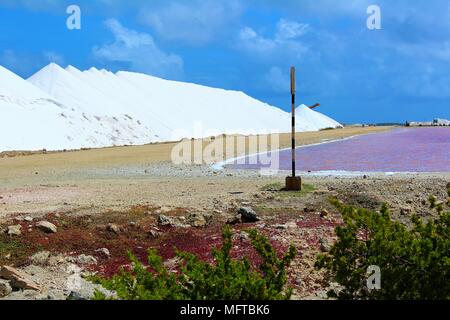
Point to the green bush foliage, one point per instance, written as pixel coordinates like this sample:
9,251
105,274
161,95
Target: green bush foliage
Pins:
414,260
226,279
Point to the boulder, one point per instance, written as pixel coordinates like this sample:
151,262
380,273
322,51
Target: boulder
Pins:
47,227
85,290
248,215
18,279
15,230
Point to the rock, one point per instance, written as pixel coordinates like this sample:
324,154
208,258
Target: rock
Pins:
5,288
324,245
40,258
47,227
405,211
208,217
18,279
56,260
324,213
235,220
154,234
86,260
248,215
244,236
196,220
164,220
28,219
113,228
104,252
14,230
84,290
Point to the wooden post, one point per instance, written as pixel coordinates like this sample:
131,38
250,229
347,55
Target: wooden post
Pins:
293,119
293,183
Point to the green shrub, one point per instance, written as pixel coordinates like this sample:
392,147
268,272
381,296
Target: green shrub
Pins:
226,279
414,261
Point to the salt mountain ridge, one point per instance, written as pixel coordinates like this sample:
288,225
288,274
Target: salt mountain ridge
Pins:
60,108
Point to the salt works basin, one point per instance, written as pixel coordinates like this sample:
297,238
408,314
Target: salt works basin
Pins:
398,150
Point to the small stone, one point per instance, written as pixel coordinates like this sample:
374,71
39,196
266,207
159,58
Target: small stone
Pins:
57,215
5,288
405,211
235,220
14,230
309,209
40,258
154,234
248,215
196,220
244,236
164,220
86,260
104,252
113,228
47,227
324,213
28,219
324,245
56,260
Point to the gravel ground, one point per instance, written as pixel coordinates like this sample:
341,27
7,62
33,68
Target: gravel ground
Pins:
94,190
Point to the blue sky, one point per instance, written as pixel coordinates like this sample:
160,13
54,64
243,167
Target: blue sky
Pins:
398,73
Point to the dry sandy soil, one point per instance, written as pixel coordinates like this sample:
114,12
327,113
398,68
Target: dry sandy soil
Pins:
120,177
81,192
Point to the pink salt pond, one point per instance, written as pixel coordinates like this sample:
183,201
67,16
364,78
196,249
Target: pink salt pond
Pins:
398,150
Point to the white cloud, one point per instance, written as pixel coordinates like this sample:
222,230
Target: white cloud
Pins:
196,22
139,51
290,29
285,42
